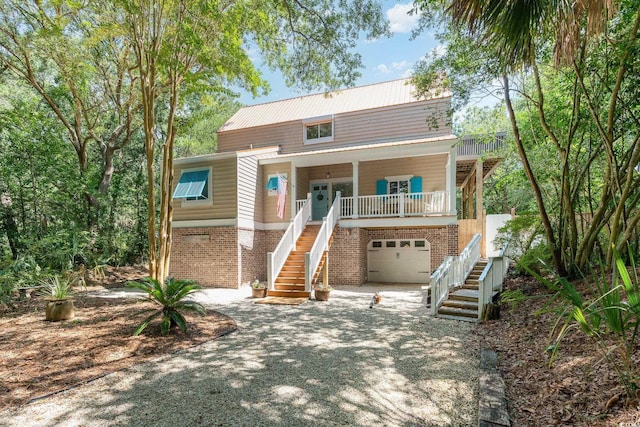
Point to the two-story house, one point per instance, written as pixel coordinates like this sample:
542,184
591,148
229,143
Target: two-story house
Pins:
376,160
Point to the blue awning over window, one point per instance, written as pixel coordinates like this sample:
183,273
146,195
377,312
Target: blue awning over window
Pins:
192,184
272,184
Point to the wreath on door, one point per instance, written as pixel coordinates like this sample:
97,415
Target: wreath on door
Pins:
320,197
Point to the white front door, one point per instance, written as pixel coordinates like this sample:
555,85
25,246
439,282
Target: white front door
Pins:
319,201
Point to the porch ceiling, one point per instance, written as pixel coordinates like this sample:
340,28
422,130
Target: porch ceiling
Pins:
464,168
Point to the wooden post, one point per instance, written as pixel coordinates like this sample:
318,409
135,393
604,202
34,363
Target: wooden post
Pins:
325,272
479,207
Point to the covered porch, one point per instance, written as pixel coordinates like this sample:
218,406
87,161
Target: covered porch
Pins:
405,179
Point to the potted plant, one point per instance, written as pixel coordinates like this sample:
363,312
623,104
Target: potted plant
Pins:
59,302
258,289
322,291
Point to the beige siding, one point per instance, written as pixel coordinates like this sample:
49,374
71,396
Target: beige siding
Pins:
249,189
269,202
302,186
343,170
431,168
224,192
407,121
284,134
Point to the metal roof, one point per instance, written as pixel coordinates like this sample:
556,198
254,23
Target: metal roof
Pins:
377,95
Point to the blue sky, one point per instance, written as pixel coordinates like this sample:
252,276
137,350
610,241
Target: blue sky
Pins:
384,59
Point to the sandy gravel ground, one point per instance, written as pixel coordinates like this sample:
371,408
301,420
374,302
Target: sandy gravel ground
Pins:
316,364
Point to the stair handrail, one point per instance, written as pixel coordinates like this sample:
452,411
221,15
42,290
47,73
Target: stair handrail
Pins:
453,271
321,244
492,279
440,282
467,259
277,258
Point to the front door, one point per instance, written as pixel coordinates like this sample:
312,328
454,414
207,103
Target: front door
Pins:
319,201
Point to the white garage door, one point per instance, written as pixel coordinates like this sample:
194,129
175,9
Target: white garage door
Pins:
399,261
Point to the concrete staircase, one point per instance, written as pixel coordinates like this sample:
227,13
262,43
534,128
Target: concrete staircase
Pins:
462,303
290,281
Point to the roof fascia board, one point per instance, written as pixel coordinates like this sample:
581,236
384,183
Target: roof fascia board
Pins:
365,154
227,155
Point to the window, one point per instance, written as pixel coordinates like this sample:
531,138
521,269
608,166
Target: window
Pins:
318,129
194,186
400,186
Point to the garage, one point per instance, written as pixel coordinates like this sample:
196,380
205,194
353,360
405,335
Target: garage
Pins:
399,261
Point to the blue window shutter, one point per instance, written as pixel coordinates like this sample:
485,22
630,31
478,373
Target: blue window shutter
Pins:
272,184
381,187
416,186
192,184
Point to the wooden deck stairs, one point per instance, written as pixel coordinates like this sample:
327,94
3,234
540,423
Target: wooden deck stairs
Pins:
462,303
290,281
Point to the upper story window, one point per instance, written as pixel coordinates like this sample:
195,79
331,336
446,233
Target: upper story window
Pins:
194,186
318,129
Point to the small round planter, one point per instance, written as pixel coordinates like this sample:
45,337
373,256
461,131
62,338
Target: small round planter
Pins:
321,295
259,293
60,309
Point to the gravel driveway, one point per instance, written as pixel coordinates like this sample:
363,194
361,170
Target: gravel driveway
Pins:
316,364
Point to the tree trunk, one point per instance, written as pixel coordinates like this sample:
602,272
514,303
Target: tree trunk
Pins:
555,252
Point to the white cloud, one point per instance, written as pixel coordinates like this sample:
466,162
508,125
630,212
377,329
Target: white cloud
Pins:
399,19
400,65
383,69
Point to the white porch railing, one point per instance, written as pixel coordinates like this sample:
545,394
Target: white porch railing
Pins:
277,258
313,257
453,271
440,280
492,279
397,205
468,258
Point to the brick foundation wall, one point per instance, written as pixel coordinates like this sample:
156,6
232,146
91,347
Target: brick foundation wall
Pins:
348,257
453,240
207,255
229,257
253,255
222,257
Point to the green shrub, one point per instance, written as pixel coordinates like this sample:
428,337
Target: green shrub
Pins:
535,259
170,298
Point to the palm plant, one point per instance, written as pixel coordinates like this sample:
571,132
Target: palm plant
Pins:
171,299
609,314
57,287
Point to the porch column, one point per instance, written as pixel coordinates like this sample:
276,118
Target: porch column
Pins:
479,208
293,189
451,180
356,172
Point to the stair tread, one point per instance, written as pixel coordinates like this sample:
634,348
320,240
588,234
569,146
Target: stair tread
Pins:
458,311
470,305
456,317
288,294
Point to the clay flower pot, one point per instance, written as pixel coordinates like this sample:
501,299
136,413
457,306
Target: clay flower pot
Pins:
322,294
259,292
60,309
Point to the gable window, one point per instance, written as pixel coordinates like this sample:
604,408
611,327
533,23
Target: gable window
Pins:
318,129
194,186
